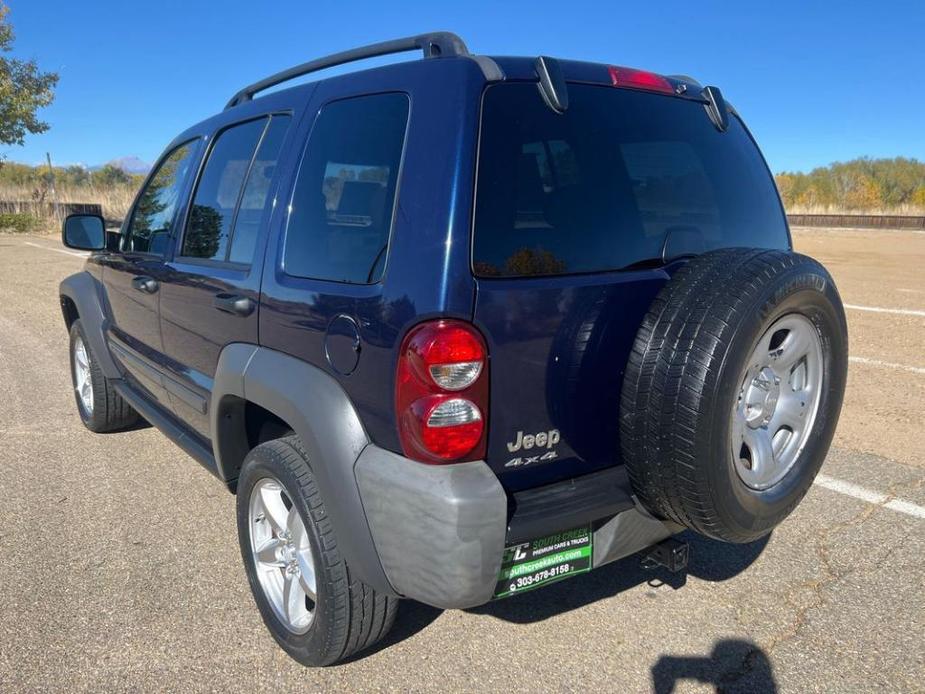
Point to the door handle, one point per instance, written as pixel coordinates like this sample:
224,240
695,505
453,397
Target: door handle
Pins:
148,285
233,304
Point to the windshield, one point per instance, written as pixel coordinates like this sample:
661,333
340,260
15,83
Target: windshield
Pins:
622,179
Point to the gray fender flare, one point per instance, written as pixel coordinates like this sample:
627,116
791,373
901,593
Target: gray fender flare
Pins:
314,404
83,290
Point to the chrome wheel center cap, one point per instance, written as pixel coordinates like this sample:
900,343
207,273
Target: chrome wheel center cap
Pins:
761,396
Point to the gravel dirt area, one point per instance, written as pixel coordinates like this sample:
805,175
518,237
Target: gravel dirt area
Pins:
120,568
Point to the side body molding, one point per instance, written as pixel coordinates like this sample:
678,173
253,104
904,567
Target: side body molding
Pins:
83,290
315,405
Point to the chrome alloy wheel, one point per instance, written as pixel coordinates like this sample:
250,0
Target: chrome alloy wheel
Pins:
282,555
777,402
83,382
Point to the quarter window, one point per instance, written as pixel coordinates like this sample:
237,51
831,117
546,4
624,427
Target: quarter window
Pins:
153,216
341,211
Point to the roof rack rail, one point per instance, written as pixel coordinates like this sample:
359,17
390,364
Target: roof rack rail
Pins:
434,45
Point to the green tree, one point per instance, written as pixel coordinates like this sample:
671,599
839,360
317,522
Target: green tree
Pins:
24,89
73,176
918,196
110,176
524,262
205,230
861,184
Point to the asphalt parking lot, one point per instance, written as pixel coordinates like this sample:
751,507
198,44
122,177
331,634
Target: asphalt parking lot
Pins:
119,565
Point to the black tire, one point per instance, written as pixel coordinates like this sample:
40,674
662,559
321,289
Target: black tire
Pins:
110,412
683,379
349,615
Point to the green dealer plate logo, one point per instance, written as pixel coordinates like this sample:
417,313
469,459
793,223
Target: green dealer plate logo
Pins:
543,561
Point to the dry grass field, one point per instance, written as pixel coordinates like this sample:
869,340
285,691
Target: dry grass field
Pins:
115,200
906,209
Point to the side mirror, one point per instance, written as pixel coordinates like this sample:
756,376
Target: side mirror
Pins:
85,232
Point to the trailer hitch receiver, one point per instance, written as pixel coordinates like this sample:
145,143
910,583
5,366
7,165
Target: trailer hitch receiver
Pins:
672,554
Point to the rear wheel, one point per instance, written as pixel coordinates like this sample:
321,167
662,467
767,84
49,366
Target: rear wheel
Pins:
101,408
314,608
733,390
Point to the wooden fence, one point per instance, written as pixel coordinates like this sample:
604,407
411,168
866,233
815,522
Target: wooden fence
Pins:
857,221
46,210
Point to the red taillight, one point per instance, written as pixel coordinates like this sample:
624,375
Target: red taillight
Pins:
441,392
639,79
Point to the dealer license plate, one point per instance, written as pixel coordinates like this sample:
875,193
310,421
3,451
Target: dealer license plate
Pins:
543,561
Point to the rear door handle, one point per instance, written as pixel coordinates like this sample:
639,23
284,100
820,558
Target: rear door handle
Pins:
148,285
233,304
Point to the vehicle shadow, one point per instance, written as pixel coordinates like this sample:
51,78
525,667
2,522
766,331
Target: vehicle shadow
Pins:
734,665
139,425
709,561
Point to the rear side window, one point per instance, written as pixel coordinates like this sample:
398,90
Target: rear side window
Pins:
211,218
257,191
341,210
618,181
154,213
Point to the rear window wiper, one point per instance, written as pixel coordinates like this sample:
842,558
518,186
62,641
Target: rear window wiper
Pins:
657,261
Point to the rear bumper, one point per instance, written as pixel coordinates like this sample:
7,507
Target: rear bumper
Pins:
440,530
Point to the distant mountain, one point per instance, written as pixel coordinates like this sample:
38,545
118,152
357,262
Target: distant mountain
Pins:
130,165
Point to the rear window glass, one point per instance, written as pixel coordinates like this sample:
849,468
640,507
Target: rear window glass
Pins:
620,180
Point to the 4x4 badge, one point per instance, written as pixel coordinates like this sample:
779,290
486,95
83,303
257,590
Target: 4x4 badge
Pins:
520,462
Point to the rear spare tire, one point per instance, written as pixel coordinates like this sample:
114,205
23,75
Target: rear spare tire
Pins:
733,389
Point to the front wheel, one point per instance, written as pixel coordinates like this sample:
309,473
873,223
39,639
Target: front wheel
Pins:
101,408
317,612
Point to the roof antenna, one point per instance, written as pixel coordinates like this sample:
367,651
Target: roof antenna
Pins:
552,83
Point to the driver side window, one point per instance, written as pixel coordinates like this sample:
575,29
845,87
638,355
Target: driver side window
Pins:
154,213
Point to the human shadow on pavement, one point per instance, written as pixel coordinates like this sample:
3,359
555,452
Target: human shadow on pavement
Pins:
734,665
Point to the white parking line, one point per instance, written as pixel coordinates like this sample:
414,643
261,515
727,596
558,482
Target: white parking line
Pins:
870,496
887,364
56,250
878,309
911,291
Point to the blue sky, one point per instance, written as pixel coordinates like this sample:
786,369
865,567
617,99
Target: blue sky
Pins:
816,81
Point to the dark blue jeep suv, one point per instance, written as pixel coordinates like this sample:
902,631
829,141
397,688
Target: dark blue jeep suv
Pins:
459,327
